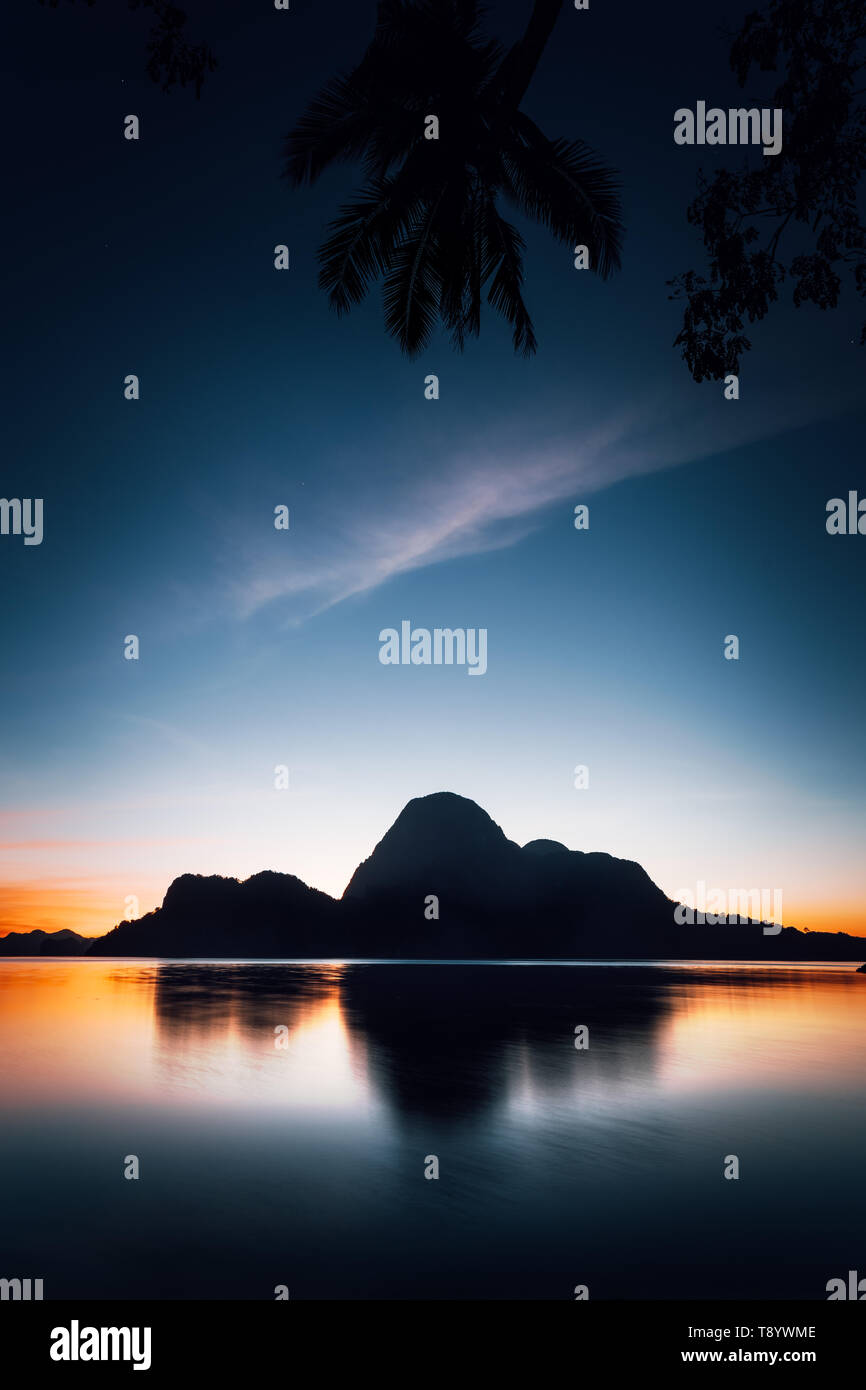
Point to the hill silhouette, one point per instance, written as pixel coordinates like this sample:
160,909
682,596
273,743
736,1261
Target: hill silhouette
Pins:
269,914
43,943
494,898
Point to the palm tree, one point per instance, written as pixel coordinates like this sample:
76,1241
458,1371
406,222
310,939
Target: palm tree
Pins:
427,220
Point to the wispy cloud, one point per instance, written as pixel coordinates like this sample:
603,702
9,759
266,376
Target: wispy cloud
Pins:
136,841
484,498
174,737
478,503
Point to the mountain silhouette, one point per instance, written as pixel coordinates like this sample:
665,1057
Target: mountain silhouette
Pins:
446,883
495,897
44,943
269,914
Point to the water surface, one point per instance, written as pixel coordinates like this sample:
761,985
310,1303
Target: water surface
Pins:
303,1164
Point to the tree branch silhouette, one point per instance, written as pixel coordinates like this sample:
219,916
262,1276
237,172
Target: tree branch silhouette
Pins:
809,192
172,59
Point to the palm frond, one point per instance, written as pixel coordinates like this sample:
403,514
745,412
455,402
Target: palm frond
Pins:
505,293
426,221
564,186
459,233
413,283
363,239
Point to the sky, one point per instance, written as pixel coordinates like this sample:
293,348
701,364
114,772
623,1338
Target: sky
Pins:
260,647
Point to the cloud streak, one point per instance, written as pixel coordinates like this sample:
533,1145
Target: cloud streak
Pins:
476,504
484,499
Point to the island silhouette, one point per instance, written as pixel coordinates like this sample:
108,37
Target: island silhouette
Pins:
44,943
445,883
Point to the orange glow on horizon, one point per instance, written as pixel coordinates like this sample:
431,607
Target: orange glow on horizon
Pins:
87,907
92,907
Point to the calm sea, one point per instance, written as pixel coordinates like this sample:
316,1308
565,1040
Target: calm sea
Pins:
283,1116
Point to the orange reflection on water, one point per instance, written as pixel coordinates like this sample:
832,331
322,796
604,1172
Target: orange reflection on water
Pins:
66,1031
764,1026
332,1038
236,1039
103,1031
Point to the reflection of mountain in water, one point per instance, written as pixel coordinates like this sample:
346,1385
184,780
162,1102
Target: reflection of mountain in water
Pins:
193,1001
446,1041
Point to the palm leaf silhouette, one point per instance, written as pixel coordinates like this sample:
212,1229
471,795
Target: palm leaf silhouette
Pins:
426,221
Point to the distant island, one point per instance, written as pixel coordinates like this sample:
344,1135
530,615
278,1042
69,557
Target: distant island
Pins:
444,883
44,943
